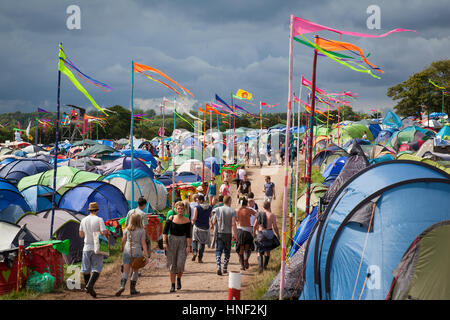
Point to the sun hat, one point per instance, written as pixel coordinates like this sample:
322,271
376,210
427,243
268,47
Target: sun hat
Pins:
93,206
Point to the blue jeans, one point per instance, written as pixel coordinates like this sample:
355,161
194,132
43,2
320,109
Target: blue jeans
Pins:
223,244
195,249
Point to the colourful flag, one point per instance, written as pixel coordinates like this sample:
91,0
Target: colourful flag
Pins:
137,67
69,74
242,94
42,110
302,26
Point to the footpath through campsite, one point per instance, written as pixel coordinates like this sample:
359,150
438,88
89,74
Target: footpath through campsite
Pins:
200,280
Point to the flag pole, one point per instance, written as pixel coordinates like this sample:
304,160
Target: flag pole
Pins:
313,104
286,160
298,154
55,164
234,127
131,134
173,153
36,128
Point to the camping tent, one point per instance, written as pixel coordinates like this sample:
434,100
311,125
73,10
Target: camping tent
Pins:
12,203
39,197
66,225
10,234
350,132
196,167
123,164
367,227
17,169
424,273
144,186
110,199
64,175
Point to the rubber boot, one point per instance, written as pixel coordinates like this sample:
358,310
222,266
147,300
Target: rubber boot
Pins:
246,264
266,261
260,261
86,280
123,282
90,286
133,290
241,260
172,288
178,283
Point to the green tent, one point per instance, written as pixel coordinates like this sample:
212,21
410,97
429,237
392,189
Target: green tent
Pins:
406,156
96,149
424,271
88,142
64,175
349,132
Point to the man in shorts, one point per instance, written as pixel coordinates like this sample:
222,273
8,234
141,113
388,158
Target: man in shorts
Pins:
90,227
269,190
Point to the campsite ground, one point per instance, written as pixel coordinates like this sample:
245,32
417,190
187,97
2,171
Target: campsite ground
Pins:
200,281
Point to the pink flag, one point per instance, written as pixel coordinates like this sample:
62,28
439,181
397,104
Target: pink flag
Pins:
309,84
302,26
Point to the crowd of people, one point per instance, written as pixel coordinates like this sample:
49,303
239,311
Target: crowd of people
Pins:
208,220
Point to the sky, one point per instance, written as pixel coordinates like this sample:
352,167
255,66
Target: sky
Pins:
210,47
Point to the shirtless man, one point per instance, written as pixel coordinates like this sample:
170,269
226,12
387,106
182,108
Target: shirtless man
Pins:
244,234
265,224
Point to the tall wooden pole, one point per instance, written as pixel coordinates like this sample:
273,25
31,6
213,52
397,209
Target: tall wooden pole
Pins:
55,164
286,161
311,134
131,134
298,154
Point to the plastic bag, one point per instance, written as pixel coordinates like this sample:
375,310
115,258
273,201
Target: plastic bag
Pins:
44,282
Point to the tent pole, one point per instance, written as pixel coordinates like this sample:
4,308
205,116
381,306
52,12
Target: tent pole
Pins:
55,164
286,160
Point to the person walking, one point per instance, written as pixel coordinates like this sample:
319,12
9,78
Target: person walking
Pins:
240,175
177,244
225,189
212,192
91,261
133,246
244,237
213,227
200,231
224,221
265,225
245,187
269,190
254,206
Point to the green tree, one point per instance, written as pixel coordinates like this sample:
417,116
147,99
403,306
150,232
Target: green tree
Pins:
416,91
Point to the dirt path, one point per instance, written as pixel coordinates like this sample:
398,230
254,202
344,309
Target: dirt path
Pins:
200,281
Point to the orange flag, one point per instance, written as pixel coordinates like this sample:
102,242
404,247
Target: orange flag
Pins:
137,67
332,45
209,108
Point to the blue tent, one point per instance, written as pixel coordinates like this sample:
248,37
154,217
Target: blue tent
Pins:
214,164
384,135
39,197
375,129
142,154
303,231
183,177
335,167
367,227
12,203
444,133
17,169
110,199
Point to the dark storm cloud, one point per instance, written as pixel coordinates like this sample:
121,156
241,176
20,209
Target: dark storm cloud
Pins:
208,46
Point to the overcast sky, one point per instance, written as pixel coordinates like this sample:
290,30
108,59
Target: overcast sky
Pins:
207,46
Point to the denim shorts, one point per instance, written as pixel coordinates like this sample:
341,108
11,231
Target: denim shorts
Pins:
126,258
91,262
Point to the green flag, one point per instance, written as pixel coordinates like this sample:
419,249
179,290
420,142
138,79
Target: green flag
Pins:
75,82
